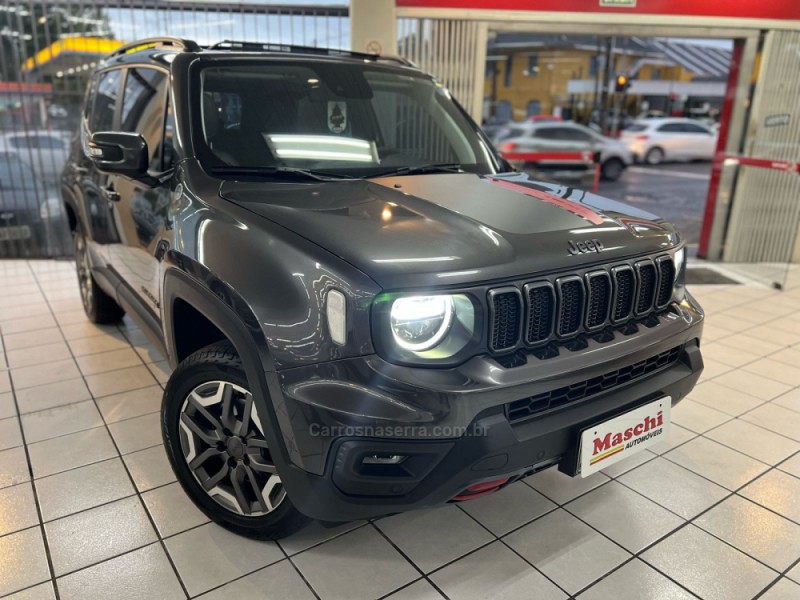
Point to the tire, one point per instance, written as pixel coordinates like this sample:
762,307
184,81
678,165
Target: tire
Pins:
205,412
654,156
98,306
612,169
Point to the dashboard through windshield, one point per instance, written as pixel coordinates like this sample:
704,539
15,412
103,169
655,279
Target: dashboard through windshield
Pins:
340,120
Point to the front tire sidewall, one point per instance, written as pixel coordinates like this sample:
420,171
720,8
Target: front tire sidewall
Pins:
185,379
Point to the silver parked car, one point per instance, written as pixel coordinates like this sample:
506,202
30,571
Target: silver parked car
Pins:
44,151
567,137
656,140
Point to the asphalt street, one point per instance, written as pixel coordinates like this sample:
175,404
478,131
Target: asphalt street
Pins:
674,191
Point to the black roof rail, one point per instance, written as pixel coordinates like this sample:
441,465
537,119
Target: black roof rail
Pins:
157,42
293,48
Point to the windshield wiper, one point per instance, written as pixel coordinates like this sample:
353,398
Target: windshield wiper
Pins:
307,173
417,169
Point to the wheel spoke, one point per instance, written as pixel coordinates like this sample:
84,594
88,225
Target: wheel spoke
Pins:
203,457
216,477
196,403
251,479
237,481
254,443
245,423
272,483
256,462
227,417
204,435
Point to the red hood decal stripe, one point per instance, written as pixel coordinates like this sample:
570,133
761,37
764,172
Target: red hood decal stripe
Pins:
581,210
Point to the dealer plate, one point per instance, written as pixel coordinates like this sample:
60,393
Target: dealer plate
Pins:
18,232
618,438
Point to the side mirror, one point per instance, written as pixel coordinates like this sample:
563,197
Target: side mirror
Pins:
120,153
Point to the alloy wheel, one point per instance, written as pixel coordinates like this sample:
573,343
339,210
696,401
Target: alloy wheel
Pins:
223,443
84,271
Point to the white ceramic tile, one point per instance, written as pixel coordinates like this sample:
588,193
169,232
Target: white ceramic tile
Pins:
209,556
778,491
121,380
628,518
494,572
149,468
17,508
673,487
280,581
13,467
50,395
92,364
359,565
143,574
509,508
754,441
138,433
79,489
171,510
708,567
10,433
562,488
24,561
131,404
434,537
756,531
98,534
648,584
62,420
568,551
70,451
720,464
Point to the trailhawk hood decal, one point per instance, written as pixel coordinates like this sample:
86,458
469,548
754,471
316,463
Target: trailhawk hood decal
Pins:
443,229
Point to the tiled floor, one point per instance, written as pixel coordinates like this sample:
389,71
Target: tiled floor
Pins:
89,507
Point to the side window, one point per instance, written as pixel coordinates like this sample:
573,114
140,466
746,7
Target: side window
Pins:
672,128
143,108
692,128
576,135
105,101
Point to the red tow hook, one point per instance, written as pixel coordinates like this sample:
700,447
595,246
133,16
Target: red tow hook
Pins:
480,489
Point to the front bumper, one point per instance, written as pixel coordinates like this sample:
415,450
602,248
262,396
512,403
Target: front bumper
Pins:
453,424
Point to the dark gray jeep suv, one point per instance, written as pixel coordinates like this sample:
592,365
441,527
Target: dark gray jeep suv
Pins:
366,310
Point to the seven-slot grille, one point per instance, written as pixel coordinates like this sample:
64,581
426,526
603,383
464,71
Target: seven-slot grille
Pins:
568,305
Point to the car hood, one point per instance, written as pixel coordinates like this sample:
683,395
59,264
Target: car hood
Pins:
452,229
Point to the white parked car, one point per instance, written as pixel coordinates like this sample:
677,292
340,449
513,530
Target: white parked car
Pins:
43,151
656,140
567,137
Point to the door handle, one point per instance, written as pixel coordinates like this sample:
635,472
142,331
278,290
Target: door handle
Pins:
111,194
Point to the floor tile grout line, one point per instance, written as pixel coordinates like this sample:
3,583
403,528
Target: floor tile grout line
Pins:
63,435
691,521
42,530
407,558
130,477
507,546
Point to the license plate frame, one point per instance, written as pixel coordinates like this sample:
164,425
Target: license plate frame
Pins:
615,439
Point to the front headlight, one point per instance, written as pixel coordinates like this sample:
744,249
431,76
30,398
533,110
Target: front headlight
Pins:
679,260
420,323
424,329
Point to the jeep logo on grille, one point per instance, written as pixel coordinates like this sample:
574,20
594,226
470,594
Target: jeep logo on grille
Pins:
593,245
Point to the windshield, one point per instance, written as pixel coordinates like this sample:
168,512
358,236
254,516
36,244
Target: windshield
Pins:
343,120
